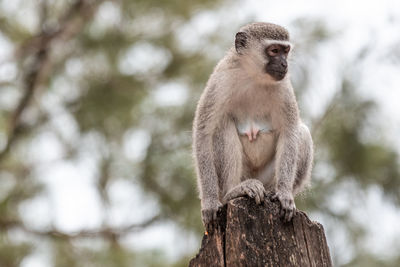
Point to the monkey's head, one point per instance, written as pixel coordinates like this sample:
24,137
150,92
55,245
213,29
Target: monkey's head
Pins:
266,48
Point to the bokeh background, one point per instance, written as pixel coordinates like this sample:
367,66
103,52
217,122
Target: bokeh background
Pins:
96,106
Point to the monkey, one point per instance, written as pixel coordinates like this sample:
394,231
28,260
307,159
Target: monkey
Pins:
248,138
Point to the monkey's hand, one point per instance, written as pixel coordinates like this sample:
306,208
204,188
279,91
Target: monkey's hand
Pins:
251,187
288,207
209,215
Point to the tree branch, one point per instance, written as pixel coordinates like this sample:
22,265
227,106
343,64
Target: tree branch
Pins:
39,48
105,232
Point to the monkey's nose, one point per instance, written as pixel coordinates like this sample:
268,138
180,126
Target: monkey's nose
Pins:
284,64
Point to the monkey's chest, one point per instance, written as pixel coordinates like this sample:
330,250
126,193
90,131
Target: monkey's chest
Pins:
254,127
258,140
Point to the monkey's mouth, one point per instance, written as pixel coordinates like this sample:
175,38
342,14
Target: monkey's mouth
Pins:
278,74
276,71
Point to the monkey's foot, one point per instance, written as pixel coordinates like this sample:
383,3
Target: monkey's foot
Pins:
288,207
251,187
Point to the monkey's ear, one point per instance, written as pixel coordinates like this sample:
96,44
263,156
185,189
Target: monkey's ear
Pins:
240,42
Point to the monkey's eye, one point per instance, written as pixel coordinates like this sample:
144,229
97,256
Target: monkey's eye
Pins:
273,51
287,50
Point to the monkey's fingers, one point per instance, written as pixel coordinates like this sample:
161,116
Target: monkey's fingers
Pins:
288,215
257,198
249,191
261,192
284,207
287,210
255,189
285,214
257,194
282,213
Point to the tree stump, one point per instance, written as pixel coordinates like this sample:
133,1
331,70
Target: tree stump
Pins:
254,235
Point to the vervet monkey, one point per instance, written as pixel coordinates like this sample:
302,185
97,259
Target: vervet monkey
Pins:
248,138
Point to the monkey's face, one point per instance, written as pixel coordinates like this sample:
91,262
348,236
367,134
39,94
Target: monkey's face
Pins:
265,59
277,55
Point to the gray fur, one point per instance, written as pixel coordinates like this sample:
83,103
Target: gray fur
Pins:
264,30
239,92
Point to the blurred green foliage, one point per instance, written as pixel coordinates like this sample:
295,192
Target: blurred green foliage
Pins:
105,99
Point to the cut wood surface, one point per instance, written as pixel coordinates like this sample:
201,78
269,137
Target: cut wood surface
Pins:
254,235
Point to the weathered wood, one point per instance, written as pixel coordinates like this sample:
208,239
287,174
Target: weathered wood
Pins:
253,235
212,251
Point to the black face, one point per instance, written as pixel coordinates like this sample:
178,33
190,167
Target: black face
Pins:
277,65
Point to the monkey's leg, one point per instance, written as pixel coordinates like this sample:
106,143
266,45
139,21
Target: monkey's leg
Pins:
228,157
267,176
230,166
304,160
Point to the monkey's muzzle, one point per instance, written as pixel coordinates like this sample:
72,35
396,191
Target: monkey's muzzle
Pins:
278,75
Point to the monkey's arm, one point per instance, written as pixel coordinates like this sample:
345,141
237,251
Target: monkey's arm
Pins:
205,123
286,155
287,151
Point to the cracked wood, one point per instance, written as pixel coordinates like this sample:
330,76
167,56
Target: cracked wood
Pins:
253,235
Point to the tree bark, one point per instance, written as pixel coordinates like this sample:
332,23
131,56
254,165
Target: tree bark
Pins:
253,235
